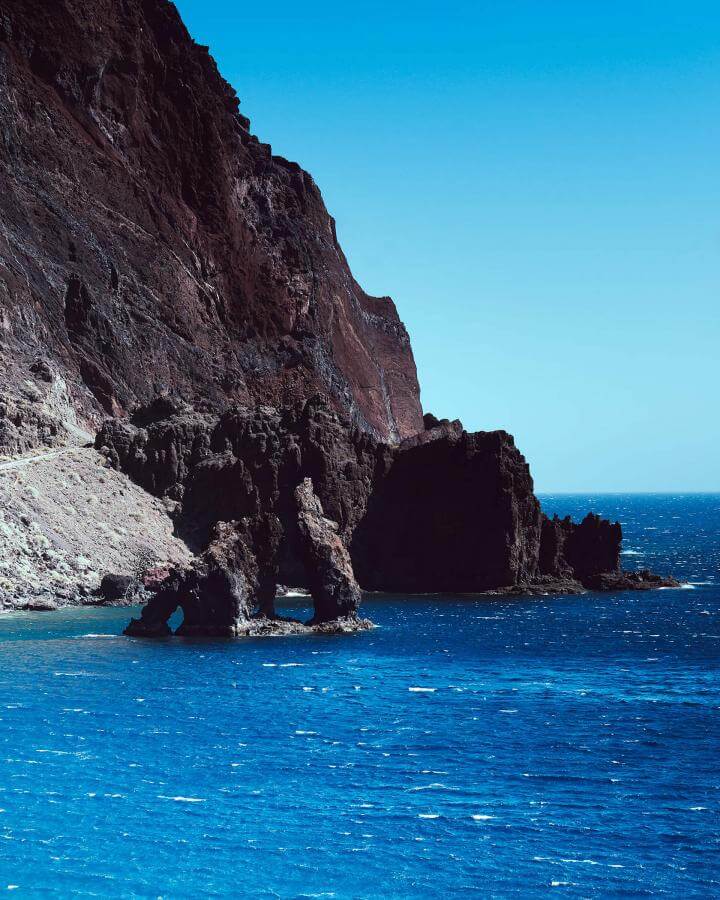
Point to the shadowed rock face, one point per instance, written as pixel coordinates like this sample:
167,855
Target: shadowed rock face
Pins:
230,589
452,512
444,511
585,549
330,573
149,242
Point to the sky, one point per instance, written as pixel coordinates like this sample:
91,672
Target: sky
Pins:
537,186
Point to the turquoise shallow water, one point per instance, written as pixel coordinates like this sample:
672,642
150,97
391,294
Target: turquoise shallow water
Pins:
469,747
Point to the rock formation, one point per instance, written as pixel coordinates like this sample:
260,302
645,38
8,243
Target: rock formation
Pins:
230,589
583,550
444,511
330,575
160,266
451,511
217,593
149,242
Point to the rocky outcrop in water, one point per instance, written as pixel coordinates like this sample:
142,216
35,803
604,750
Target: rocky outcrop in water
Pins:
149,242
582,550
217,593
230,589
445,511
330,575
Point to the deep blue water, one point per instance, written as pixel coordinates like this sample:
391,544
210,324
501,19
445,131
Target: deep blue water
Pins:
488,747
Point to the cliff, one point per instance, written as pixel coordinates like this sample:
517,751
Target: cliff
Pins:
158,265
444,511
150,242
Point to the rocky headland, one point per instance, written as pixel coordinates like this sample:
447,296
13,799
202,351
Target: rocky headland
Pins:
306,498
174,294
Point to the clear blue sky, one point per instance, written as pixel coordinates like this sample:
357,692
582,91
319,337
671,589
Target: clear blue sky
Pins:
537,185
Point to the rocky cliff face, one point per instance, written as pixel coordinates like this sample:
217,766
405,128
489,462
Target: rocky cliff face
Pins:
149,242
444,511
451,511
159,265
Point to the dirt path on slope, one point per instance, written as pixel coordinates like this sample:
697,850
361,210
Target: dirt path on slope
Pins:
21,461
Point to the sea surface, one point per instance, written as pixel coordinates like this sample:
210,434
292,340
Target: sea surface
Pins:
466,747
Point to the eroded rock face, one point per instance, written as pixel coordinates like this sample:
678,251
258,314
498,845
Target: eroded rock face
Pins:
451,512
444,511
247,463
580,550
217,593
230,589
150,242
330,573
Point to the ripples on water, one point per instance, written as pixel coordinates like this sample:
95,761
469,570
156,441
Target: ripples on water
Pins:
490,747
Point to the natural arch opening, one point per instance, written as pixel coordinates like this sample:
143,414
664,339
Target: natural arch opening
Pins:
176,619
294,603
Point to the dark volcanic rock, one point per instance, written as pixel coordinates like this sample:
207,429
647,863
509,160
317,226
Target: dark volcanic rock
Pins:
151,243
114,588
643,580
230,590
452,512
216,594
219,591
582,550
330,573
247,463
444,511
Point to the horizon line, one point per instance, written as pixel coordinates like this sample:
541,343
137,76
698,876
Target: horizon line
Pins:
663,493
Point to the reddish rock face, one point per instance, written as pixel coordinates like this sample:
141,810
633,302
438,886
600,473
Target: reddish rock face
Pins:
150,243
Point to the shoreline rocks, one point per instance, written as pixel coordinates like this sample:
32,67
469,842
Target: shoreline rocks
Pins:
230,589
327,507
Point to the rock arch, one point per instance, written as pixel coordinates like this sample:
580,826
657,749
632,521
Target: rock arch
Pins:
230,590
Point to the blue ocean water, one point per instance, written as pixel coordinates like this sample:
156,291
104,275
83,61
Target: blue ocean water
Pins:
494,747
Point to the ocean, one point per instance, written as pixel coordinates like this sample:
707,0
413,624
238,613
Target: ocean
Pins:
469,747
